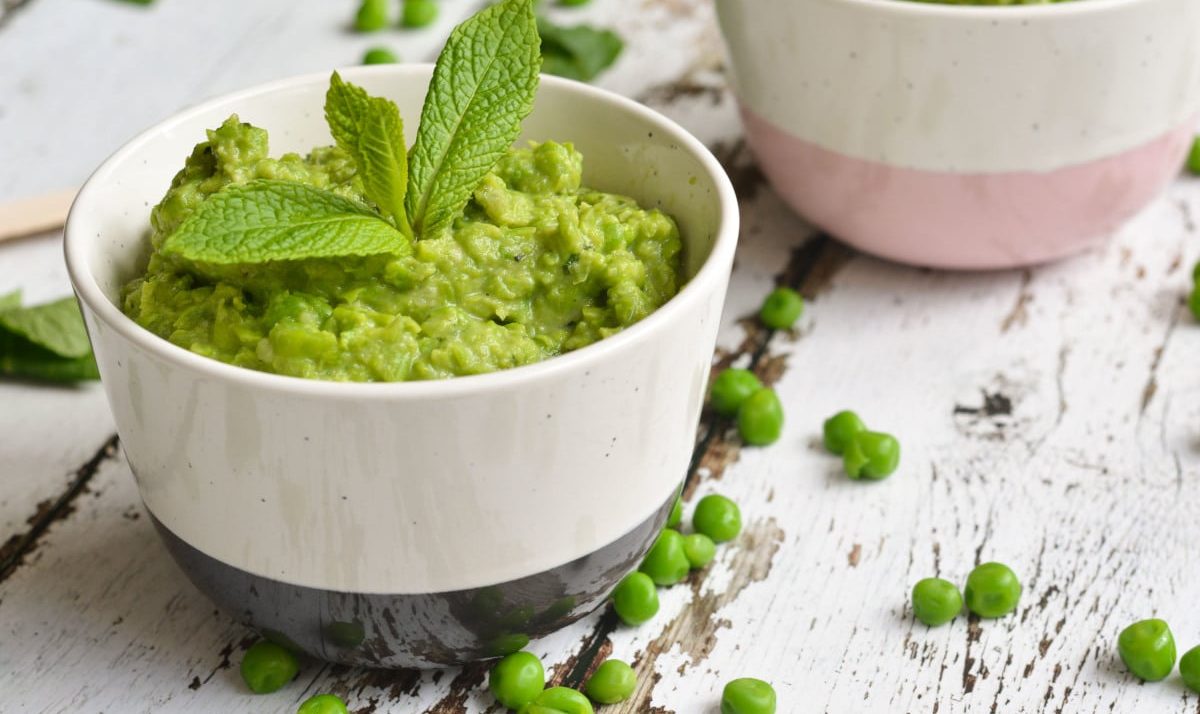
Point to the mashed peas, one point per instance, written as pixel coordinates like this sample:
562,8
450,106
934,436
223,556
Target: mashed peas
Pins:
536,266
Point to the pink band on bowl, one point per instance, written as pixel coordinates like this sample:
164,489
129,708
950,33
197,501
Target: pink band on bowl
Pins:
964,221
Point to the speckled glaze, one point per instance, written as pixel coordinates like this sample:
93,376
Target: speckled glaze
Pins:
423,487
967,136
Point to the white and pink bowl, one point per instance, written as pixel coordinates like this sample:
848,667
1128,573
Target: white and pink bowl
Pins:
967,136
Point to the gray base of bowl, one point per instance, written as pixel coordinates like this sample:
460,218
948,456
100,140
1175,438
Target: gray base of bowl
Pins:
423,630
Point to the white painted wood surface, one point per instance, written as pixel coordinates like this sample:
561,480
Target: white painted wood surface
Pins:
1048,418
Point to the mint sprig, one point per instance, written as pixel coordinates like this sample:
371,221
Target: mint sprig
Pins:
482,88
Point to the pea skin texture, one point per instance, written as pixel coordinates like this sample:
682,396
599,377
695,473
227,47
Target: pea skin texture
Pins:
718,518
871,455
666,563
781,309
699,549
748,696
840,429
635,599
267,667
612,682
676,516
760,418
380,55
563,700
731,388
323,704
936,601
1189,669
372,15
992,591
1148,649
419,13
517,679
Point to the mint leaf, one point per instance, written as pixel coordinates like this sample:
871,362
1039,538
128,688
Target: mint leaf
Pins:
267,220
24,360
482,87
56,327
370,130
579,52
12,299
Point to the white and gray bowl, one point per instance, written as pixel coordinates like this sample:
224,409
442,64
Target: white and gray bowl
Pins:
418,523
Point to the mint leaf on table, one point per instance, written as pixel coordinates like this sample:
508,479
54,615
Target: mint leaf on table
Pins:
47,342
268,220
371,131
581,52
482,88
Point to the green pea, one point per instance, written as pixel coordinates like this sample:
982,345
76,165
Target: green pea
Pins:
612,682
1189,668
380,55
635,599
345,634
840,429
323,704
936,601
666,563
748,696
1196,272
676,516
993,590
731,388
699,549
419,13
760,418
718,518
871,455
1193,162
781,309
573,3
1194,302
1148,649
266,667
372,15
506,643
517,679
564,700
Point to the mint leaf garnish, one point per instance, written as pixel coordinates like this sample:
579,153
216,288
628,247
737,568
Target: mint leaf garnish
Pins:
482,87
579,52
56,327
12,299
371,131
267,220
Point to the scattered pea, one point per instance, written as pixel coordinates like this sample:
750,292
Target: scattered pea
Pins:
573,3
666,563
993,590
564,700
872,455
323,704
1189,668
267,667
612,682
760,418
419,13
731,388
699,549
1194,302
936,601
718,518
517,679
1193,162
635,599
676,516
380,55
1148,649
781,309
506,643
748,696
840,429
372,15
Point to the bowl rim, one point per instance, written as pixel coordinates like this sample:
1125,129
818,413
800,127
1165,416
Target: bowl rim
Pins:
990,12
707,278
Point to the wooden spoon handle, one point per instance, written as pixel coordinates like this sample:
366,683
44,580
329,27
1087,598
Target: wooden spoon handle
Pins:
39,214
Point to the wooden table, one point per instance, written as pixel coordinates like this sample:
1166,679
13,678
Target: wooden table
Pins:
1049,419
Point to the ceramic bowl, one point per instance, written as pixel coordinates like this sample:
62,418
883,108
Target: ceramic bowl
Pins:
421,523
967,136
